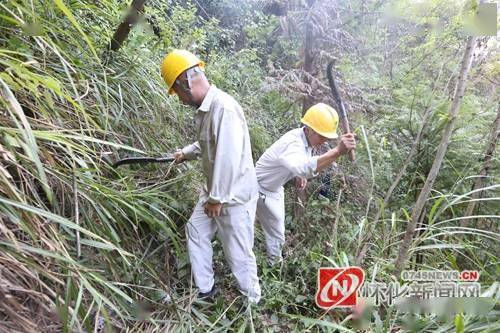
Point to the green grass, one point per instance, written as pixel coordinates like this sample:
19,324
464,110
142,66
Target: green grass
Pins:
67,110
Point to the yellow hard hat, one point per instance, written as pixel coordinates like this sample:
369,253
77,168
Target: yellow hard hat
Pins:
323,119
175,63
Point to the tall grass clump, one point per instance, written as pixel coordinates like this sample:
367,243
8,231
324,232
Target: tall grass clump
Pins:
83,245
75,234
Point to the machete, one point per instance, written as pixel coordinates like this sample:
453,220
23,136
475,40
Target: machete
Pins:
143,160
344,123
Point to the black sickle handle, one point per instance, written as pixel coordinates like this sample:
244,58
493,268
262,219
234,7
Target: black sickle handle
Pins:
344,122
143,160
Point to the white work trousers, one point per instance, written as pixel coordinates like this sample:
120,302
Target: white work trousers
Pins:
236,232
271,216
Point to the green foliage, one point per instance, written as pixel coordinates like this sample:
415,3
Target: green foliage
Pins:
68,108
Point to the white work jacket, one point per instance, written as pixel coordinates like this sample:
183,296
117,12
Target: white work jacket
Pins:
289,157
224,146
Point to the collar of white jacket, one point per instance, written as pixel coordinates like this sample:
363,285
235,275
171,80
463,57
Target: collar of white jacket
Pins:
209,97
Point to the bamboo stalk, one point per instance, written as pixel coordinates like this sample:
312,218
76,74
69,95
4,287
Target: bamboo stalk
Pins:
485,169
438,160
124,28
77,217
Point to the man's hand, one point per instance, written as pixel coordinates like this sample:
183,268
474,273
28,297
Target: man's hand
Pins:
346,143
212,209
179,156
300,183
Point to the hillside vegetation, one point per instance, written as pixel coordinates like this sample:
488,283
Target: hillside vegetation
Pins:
84,245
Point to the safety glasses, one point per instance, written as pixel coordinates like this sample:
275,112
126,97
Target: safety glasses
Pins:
184,81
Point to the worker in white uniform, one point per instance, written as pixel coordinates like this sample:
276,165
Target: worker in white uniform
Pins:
228,199
291,157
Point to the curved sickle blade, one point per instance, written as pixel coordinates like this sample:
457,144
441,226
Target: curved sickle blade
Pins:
344,122
143,160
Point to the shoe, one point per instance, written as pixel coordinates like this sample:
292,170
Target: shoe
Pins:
275,261
208,294
254,293
254,300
